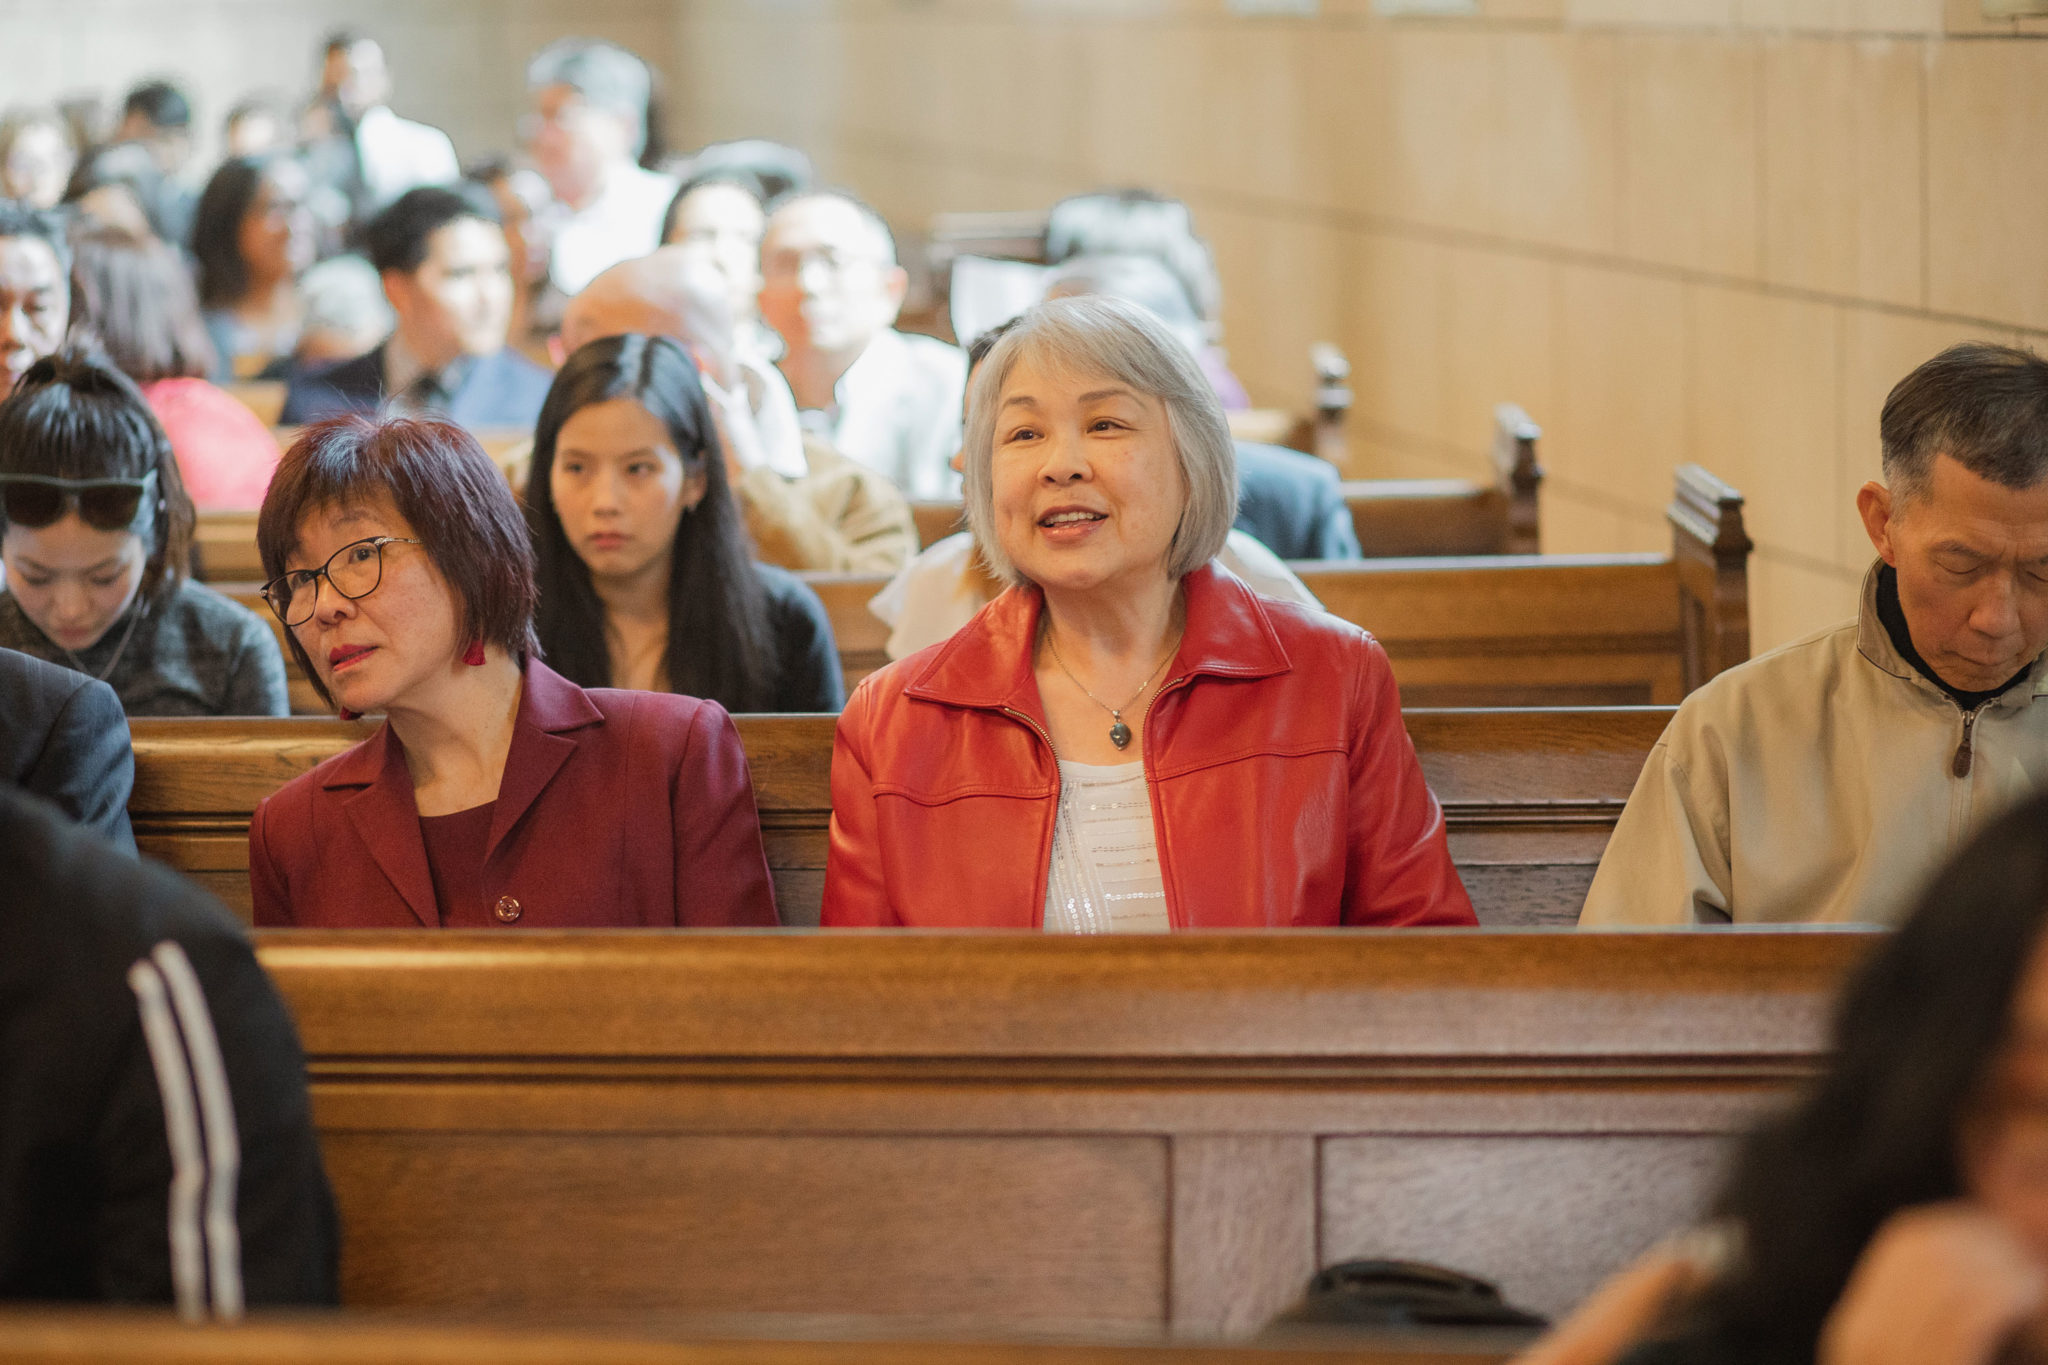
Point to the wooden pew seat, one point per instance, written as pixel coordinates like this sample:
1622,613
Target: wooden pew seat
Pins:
1022,1132
1529,796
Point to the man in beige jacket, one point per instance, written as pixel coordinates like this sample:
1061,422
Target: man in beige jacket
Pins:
1825,781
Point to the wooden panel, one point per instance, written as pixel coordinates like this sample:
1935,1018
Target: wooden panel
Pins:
140,1337
1402,517
1059,1133
1244,1230
1008,1231
1498,1207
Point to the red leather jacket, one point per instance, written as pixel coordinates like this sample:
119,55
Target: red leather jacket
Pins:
1284,789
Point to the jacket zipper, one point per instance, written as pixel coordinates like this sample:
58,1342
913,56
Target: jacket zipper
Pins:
1058,788
1965,756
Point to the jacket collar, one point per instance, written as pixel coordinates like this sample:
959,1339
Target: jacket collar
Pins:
387,819
1874,643
987,664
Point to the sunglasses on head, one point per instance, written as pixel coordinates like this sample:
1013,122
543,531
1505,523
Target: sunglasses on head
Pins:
37,500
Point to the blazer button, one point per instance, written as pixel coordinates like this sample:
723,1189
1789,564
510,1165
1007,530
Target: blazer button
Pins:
508,911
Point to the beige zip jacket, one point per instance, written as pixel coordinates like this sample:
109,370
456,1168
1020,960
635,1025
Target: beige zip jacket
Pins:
1823,782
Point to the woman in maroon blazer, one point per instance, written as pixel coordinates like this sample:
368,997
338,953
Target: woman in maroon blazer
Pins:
496,793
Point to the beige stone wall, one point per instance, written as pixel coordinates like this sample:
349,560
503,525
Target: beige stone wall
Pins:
1709,230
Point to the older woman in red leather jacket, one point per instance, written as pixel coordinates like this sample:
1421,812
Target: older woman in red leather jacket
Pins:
1129,738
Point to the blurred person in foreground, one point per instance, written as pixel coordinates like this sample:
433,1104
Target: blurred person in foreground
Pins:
1897,1214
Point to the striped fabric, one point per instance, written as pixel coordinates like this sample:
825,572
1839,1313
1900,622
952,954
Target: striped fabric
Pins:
199,1121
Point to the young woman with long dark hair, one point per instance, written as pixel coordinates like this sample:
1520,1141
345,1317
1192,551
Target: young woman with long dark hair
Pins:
646,577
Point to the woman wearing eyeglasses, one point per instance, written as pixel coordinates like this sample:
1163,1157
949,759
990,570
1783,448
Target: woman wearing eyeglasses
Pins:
497,794
95,534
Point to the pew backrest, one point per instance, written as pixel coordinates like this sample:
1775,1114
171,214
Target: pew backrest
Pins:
1529,796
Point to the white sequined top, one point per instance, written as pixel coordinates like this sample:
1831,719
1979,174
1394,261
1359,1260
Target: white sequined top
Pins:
1104,877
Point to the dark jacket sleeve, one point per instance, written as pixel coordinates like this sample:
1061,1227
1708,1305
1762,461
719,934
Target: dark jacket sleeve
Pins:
1336,535
285,1233
807,655
87,765
1293,504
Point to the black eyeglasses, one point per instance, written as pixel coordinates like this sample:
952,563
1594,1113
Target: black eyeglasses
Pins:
354,571
37,500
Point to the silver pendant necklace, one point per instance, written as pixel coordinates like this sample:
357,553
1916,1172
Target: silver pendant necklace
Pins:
1119,733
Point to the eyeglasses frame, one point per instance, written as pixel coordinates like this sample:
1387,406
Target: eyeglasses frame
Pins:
270,596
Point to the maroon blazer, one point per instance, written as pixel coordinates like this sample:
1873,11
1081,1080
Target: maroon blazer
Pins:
616,809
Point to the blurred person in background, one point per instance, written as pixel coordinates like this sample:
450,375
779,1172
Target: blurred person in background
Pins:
446,269
36,157
346,313
832,289
585,133
392,154
1136,222
522,199
35,288
256,126
157,117
252,237
121,186
721,215
135,299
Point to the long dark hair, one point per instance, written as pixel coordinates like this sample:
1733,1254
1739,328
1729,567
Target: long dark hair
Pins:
217,229
720,639
135,299
1916,1034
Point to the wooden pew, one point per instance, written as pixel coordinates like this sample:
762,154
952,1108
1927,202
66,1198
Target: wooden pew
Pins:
1529,796
1026,1133
1504,630
128,1336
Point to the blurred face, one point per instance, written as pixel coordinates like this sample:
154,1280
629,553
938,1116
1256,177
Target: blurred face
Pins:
725,223
276,235
72,580
2005,1143
621,488
38,164
378,650
1972,560
827,283
1087,484
573,142
365,80
254,133
35,304
528,262
459,302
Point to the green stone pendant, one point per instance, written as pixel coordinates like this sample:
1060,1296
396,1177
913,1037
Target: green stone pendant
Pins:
1119,733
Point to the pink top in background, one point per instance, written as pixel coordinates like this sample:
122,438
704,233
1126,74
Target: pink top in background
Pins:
225,453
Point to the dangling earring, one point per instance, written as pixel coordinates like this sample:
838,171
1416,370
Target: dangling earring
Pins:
347,714
474,655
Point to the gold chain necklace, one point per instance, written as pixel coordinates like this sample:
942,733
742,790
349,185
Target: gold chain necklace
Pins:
1119,733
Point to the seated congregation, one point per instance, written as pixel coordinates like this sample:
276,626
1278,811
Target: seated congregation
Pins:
658,572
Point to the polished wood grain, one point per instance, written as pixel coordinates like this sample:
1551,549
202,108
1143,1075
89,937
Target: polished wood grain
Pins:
1021,1131
132,1337
1530,796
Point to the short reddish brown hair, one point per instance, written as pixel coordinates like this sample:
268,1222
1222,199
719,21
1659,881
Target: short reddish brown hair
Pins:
441,482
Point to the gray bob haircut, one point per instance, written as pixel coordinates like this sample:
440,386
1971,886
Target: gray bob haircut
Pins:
1125,343
605,74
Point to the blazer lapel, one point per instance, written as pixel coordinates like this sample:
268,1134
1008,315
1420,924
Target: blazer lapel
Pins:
387,820
549,705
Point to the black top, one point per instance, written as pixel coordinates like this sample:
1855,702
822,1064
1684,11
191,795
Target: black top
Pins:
97,1024
807,675
63,738
192,653
1893,615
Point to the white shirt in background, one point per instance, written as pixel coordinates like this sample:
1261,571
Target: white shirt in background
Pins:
937,592
897,411
622,223
398,155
